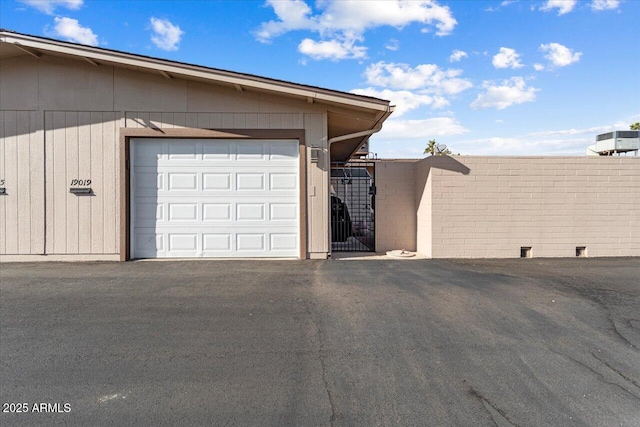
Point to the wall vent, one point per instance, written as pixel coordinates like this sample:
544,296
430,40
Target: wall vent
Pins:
581,251
525,252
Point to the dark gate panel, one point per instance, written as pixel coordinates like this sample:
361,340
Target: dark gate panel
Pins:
352,207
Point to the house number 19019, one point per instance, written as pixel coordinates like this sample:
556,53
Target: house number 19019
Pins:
81,182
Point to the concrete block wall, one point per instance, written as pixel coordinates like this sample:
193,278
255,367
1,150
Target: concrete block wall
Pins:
492,206
424,217
395,211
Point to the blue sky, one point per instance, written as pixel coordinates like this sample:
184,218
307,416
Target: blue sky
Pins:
483,77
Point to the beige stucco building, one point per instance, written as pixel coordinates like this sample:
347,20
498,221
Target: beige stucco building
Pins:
106,155
253,180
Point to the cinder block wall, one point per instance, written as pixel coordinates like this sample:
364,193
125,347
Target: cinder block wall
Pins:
493,206
423,196
395,212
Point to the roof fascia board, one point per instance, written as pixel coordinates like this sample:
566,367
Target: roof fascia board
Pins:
172,68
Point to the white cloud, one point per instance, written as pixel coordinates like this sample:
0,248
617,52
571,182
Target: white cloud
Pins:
560,55
563,6
538,67
507,58
427,77
404,100
292,15
392,45
457,55
49,6
503,4
509,92
604,4
421,128
332,49
340,20
71,30
513,146
166,35
572,132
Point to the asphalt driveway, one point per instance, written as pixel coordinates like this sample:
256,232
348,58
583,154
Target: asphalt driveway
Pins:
305,343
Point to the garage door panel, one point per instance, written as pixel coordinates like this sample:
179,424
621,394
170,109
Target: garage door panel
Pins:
216,242
283,212
250,242
283,151
206,198
219,181
183,212
284,241
217,212
183,181
247,181
216,151
149,242
250,212
283,182
185,150
251,150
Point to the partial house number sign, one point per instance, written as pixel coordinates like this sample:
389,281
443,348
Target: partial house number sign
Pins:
81,182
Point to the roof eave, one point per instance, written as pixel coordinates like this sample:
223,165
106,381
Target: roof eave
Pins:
96,55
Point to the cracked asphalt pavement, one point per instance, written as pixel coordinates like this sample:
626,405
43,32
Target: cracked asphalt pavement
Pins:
536,342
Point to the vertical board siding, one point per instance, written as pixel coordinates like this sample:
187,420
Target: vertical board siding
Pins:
21,164
10,175
23,181
82,145
37,158
3,199
72,172
317,179
85,140
206,120
57,198
96,217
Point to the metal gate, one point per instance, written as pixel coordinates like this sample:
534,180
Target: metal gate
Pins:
353,193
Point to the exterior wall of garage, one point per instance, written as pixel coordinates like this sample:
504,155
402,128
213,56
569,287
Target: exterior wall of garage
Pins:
51,135
490,207
395,212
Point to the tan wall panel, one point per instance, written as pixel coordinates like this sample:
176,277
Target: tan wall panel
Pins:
273,103
21,167
95,221
19,83
317,183
10,175
82,145
3,199
72,162
395,212
85,157
111,123
137,91
74,85
37,159
205,120
23,190
205,97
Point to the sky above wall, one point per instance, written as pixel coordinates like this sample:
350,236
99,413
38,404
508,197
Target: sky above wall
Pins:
483,77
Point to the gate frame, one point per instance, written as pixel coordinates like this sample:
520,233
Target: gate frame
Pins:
369,165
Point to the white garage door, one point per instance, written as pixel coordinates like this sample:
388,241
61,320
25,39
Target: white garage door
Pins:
214,198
